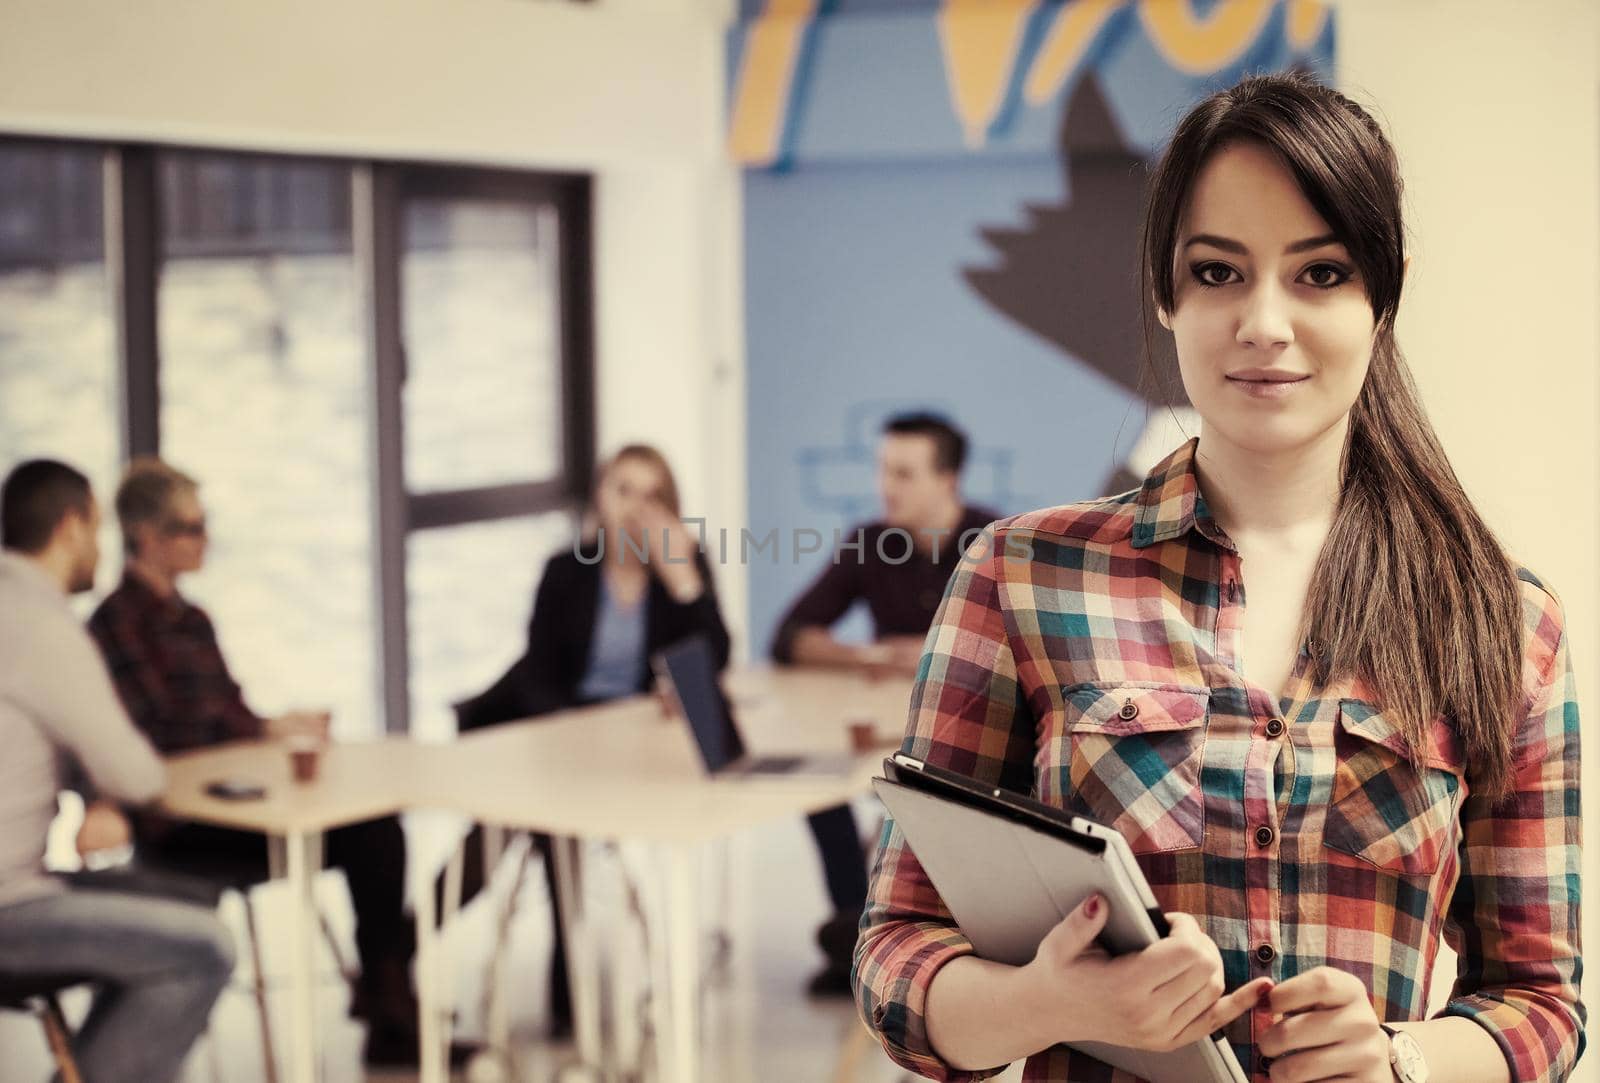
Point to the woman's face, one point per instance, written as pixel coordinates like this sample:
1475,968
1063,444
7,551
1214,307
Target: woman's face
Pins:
177,543
1273,327
630,487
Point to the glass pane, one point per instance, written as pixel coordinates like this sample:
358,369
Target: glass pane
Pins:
479,291
471,592
264,401
58,357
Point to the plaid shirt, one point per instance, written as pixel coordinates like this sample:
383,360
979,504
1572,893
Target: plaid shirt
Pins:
1102,675
168,669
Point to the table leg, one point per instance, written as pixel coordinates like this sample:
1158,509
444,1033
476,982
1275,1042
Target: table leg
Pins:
582,975
303,1049
740,926
433,1029
679,1055
496,1009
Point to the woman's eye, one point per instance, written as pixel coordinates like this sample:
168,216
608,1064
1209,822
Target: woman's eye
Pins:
1211,274
1326,275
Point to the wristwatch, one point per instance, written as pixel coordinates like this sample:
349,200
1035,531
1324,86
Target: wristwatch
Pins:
1405,1056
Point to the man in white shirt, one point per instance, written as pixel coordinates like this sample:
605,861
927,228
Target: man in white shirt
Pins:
158,965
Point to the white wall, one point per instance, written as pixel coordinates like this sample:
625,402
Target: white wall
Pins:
1495,111
630,90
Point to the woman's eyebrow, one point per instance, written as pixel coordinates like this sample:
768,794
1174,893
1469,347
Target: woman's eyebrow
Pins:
1229,245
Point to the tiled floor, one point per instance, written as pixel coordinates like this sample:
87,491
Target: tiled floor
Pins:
759,1025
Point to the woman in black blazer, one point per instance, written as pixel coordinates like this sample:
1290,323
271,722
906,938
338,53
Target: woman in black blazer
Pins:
627,590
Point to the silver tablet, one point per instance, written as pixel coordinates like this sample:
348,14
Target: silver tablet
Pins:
1010,869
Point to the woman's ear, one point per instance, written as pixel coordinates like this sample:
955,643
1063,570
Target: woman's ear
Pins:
1162,318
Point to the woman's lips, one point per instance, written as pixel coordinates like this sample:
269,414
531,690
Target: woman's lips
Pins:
1275,387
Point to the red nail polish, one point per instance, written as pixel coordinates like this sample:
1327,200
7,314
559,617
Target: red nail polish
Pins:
1092,907
1266,995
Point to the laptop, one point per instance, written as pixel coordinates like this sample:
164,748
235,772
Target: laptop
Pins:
688,670
1010,868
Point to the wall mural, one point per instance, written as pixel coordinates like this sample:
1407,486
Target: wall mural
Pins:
941,211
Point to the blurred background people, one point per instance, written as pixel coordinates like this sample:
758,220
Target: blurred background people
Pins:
168,667
635,583
898,565
158,965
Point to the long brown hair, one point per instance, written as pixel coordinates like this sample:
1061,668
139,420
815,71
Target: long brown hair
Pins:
1412,593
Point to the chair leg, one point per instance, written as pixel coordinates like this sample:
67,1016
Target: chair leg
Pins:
260,987
495,1010
346,971
56,1033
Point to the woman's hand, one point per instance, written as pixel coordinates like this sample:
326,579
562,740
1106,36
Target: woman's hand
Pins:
1161,998
678,574
1328,1031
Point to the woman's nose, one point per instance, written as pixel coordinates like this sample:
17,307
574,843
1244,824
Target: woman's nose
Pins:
1265,320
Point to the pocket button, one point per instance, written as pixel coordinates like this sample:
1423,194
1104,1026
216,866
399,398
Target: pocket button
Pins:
1130,711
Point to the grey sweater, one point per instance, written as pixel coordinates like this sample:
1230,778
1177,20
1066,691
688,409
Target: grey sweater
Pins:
57,706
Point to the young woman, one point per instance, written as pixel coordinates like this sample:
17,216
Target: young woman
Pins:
635,584
1378,751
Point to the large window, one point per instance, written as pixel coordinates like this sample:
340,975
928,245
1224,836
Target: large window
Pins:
263,396
379,372
490,466
59,393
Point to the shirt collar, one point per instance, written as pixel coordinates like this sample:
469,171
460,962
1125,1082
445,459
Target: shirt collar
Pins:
1170,503
144,597
28,572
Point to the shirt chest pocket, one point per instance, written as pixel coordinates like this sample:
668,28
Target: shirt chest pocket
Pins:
1385,809
1133,760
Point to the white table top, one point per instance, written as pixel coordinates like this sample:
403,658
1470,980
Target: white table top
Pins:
620,770
355,781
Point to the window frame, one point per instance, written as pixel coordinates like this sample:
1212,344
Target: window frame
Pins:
378,192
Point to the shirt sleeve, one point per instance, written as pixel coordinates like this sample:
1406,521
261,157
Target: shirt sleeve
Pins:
968,714
1514,919
702,615
828,598
138,680
237,717
80,710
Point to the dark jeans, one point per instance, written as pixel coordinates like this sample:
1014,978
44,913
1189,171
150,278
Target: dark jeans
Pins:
372,856
157,965
844,866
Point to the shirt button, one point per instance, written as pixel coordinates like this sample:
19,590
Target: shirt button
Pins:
1275,728
1264,836
1266,1064
1130,711
1265,953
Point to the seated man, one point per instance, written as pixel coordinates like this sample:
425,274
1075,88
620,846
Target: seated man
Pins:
159,965
899,569
167,665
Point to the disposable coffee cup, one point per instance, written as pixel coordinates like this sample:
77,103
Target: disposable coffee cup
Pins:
305,754
863,735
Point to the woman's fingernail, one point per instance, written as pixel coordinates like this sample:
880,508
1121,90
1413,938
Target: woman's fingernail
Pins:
1266,995
1092,907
